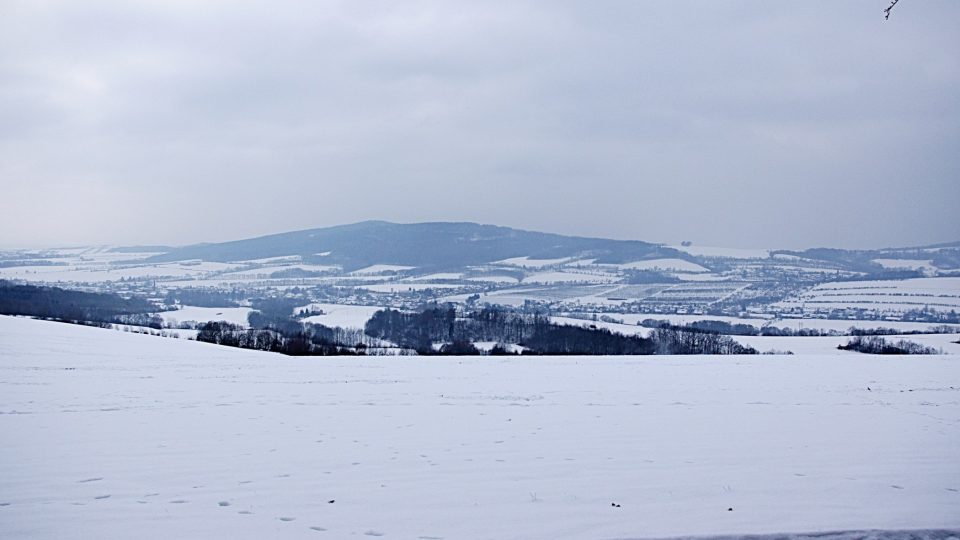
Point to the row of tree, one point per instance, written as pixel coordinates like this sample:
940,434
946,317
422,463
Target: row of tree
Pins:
537,335
879,345
306,341
75,306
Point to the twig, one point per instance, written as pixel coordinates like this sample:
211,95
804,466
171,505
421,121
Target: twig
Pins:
886,17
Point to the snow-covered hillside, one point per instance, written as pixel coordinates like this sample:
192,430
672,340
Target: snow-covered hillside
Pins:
113,435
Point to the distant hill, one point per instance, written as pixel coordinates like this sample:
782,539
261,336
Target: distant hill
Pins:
423,245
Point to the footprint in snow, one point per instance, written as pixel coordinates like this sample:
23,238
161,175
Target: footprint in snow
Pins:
373,533
179,501
894,486
285,518
8,504
223,503
102,497
245,512
84,481
318,529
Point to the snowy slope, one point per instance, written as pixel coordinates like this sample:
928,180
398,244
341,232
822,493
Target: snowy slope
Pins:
235,315
340,315
111,435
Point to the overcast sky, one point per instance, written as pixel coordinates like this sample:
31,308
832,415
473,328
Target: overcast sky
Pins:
763,124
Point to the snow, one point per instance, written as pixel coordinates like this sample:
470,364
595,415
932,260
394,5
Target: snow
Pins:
634,318
207,266
678,265
341,315
489,345
101,273
702,277
494,279
568,277
395,287
439,276
908,264
235,315
114,435
625,329
265,271
841,325
844,325
825,345
939,294
271,260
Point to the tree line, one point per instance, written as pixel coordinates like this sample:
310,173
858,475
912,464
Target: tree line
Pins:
76,306
879,345
536,334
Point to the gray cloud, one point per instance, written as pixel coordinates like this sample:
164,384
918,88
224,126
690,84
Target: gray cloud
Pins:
741,123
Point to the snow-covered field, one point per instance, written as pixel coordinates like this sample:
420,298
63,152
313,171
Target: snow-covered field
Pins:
925,265
235,315
113,435
344,316
94,273
828,345
939,294
569,277
678,265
